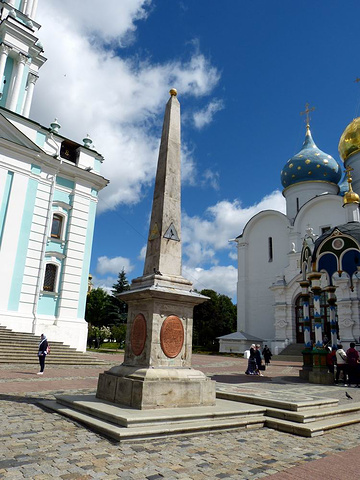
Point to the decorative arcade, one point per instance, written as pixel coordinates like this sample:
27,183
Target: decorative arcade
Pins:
324,261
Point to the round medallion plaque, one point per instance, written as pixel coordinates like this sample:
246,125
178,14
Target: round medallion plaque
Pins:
172,336
138,334
338,243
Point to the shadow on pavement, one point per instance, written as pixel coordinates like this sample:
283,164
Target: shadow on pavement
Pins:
21,398
241,378
27,373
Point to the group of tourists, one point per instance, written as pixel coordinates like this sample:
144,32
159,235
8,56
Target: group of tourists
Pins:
346,364
255,365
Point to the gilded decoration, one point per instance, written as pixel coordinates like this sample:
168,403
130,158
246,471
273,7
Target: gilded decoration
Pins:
350,139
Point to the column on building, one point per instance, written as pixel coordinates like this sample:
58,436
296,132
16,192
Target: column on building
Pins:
34,8
29,94
16,82
242,287
28,8
4,53
72,267
304,284
315,278
332,307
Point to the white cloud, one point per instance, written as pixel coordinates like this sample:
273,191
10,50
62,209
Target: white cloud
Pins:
92,88
203,237
211,178
222,279
111,23
113,265
105,283
233,255
205,116
142,253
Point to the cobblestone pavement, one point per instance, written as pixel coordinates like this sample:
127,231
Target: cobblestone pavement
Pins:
37,444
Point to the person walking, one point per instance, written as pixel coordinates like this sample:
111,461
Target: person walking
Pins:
331,359
43,348
341,360
267,354
258,360
353,364
251,368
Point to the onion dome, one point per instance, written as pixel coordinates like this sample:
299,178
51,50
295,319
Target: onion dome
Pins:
310,165
350,196
350,139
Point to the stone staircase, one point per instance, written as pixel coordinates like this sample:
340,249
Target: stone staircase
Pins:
128,424
291,352
309,417
22,348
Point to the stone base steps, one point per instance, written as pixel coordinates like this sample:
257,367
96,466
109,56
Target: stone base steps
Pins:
124,424
305,418
313,429
293,349
288,404
308,417
291,353
22,348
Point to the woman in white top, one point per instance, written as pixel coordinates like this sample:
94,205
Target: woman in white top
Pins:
341,360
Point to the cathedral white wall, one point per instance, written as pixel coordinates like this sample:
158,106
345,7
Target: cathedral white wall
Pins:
257,273
299,194
320,212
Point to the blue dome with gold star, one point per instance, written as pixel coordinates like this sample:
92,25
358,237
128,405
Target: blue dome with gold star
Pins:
310,165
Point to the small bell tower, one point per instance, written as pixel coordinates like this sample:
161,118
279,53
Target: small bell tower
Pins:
20,54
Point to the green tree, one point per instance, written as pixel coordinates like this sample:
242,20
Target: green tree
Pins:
119,334
212,319
122,285
97,335
99,308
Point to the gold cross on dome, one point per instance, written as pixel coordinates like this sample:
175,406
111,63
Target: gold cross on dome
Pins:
307,113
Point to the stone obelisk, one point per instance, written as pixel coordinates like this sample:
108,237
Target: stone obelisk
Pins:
157,372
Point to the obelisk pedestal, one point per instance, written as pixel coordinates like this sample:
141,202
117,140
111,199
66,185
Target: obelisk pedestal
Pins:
156,372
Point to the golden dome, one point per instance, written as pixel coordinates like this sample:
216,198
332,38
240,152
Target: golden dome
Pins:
350,139
173,92
350,196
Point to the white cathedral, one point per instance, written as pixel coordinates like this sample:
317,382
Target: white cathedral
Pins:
298,272
48,196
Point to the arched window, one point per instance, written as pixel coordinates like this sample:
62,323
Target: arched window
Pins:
50,278
57,225
270,249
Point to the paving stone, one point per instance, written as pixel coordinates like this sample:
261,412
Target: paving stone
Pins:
71,452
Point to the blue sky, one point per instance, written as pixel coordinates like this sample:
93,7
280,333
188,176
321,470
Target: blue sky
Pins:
244,71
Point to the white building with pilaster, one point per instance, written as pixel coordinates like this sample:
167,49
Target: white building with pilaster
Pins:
270,300
48,196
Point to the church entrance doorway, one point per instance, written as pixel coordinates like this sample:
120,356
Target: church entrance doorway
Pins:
299,316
